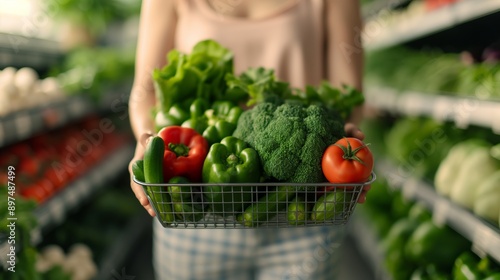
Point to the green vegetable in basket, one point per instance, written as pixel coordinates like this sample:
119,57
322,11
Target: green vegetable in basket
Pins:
213,122
267,206
297,211
331,205
176,115
230,161
290,138
181,192
138,170
199,74
153,173
185,204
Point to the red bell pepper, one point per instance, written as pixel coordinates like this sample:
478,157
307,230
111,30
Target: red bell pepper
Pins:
185,152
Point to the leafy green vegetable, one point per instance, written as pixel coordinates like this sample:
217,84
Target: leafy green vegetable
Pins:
260,84
341,100
200,74
256,84
290,138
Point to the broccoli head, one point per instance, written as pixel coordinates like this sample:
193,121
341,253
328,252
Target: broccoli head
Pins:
290,138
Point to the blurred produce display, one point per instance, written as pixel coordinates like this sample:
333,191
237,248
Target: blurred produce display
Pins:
84,21
94,71
91,72
23,88
478,189
98,223
25,223
74,250
432,71
414,246
445,155
49,161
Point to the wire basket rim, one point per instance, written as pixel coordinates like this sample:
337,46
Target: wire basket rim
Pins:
372,179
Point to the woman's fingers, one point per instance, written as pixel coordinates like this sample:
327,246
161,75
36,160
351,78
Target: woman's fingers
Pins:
136,188
141,196
362,196
144,139
352,130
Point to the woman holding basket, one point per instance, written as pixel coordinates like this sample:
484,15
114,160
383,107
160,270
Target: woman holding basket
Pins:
305,42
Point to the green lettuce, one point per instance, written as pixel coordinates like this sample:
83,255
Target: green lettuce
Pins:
198,74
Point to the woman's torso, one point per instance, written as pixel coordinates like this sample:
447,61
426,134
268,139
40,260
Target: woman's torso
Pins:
289,39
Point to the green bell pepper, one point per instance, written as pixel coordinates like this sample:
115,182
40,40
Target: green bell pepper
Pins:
176,116
213,122
185,204
222,120
230,161
197,119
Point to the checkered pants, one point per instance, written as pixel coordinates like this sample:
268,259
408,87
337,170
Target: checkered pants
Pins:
241,254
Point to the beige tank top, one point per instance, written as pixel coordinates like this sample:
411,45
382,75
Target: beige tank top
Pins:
290,41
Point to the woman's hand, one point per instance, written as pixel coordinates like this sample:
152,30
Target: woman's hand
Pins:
352,130
136,188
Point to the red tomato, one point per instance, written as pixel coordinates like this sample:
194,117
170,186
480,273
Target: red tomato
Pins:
349,160
35,192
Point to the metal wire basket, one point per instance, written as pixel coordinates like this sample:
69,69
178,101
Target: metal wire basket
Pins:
251,205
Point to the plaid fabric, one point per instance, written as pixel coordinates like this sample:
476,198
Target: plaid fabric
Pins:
240,254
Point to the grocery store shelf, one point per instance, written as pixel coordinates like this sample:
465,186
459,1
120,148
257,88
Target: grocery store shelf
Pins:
21,51
23,124
415,27
375,7
484,236
460,110
367,243
53,212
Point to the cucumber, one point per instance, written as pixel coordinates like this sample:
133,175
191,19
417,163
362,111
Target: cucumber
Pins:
188,211
330,205
138,170
297,211
267,207
153,173
181,192
185,207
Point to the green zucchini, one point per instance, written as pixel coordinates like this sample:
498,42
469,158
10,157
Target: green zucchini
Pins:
153,173
182,196
330,205
181,192
297,211
267,206
191,212
138,170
